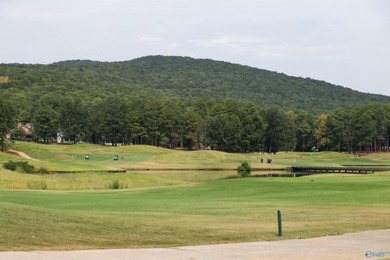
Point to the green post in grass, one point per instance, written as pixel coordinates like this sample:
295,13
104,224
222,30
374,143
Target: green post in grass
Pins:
279,223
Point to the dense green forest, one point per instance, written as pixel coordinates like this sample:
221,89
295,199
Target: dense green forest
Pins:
180,77
184,102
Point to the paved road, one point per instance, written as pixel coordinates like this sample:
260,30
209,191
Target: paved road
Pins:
362,245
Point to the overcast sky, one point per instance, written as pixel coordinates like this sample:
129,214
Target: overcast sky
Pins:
344,42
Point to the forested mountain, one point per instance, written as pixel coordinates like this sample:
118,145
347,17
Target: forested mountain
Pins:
184,102
181,77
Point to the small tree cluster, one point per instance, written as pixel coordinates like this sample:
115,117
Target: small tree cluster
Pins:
244,170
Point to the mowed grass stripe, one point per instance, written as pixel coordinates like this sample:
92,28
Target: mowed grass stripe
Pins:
233,210
306,190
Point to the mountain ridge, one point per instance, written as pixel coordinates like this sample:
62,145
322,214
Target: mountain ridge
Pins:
186,78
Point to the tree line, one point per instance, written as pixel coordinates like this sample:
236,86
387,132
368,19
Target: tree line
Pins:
225,125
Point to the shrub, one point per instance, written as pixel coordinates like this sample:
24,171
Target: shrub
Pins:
244,169
10,165
26,168
23,167
41,170
115,185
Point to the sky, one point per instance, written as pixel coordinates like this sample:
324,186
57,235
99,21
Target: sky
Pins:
343,42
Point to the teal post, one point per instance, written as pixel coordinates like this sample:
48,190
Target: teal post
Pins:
279,223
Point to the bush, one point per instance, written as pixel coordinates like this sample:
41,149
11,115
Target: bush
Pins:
10,165
26,168
23,167
244,169
115,185
42,170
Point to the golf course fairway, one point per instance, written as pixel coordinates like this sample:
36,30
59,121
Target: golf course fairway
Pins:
218,211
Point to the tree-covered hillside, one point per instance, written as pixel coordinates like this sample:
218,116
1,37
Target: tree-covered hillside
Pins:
180,77
183,102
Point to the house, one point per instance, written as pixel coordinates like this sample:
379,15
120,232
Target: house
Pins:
61,139
23,132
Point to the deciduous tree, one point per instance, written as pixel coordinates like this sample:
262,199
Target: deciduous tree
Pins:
8,119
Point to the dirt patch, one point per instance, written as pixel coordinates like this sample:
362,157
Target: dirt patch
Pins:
21,154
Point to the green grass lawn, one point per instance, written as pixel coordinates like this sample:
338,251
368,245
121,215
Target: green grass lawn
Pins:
71,158
157,206
221,211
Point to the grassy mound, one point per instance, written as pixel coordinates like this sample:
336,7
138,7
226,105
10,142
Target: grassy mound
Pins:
72,157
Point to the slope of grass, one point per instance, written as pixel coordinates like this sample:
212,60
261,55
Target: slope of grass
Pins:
71,157
101,181
137,159
221,211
